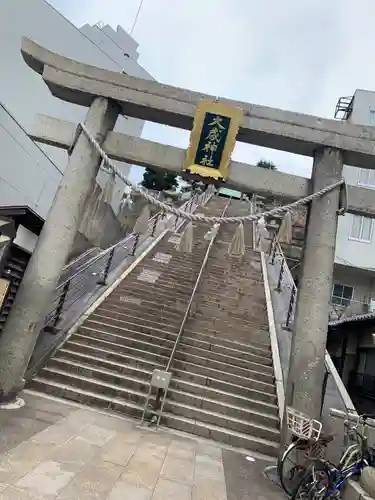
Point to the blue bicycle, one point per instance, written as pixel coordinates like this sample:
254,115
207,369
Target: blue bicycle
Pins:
323,479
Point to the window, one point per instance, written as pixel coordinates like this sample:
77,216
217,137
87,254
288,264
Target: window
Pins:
366,177
372,117
342,294
361,229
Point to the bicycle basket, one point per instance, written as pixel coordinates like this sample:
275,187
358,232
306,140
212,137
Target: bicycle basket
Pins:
302,425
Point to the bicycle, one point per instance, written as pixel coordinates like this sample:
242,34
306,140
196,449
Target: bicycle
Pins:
307,443
323,479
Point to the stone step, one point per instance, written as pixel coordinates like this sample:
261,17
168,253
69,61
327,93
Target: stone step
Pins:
158,353
218,338
209,431
107,383
222,420
151,361
134,356
101,328
221,434
115,318
258,337
144,289
253,399
194,382
181,391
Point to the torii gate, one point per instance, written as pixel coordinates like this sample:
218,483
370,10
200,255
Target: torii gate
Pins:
107,94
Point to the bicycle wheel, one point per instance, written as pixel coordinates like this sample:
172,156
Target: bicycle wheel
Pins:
294,462
314,484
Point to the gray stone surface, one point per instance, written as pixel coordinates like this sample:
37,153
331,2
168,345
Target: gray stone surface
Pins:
50,255
241,176
245,480
82,454
306,369
263,126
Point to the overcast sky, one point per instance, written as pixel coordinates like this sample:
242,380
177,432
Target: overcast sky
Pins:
297,55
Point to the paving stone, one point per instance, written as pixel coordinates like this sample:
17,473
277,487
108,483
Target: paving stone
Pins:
182,449
81,418
171,490
96,435
143,471
56,434
114,423
12,470
128,491
95,481
209,489
77,451
208,468
48,478
118,452
3,486
209,450
13,493
178,469
146,449
32,451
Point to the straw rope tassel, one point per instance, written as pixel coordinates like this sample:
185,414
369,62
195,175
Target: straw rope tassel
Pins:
186,240
237,245
141,224
285,234
107,193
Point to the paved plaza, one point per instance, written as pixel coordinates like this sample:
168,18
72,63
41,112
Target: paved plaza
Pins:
52,450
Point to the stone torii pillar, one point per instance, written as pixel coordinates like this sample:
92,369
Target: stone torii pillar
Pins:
307,365
32,302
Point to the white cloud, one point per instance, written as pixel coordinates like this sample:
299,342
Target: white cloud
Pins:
293,55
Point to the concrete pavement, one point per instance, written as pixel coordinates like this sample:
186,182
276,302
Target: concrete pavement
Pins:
57,451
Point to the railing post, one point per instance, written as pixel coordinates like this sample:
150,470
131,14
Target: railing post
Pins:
135,244
274,253
154,226
272,246
324,389
290,308
103,281
278,288
59,308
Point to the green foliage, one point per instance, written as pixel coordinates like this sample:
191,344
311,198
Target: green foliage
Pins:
266,164
159,181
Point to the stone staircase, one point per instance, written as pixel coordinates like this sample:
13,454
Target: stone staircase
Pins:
223,383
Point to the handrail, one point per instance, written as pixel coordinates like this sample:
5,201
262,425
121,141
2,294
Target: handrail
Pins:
69,291
285,277
188,307
81,256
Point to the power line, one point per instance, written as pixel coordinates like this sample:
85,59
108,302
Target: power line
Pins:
136,16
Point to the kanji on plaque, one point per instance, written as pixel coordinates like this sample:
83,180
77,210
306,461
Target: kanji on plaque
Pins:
212,139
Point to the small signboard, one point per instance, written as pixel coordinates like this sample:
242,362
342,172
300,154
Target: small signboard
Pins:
212,139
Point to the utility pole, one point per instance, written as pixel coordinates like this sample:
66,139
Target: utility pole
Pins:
306,365
51,252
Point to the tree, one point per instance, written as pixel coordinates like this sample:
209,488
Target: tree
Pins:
159,180
266,164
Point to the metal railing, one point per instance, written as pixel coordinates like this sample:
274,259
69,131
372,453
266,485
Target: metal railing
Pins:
287,291
86,277
197,282
166,375
80,289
